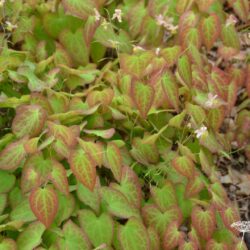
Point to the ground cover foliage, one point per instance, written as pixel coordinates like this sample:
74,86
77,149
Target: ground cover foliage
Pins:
113,114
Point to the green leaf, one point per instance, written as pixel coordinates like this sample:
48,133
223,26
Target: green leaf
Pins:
154,239
7,181
98,229
184,165
44,204
170,89
129,186
184,70
230,215
172,236
210,30
81,9
143,96
171,55
31,237
116,203
136,65
12,155
177,120
58,176
229,37
241,8
75,44
90,198
204,221
197,113
204,4
74,238
133,236
164,197
106,133
8,244
214,245
155,218
114,160
3,202
83,167
194,186
29,120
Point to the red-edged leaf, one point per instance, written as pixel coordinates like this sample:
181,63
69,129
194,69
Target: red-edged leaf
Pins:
61,148
190,245
31,146
192,37
184,70
44,204
8,244
66,134
29,120
106,133
232,95
95,150
240,246
116,203
204,4
194,186
229,37
103,97
83,167
136,65
143,96
154,239
12,155
171,55
197,114
58,176
183,5
213,245
170,89
216,117
130,186
158,220
204,221
184,165
133,236
210,30
81,9
172,236
230,215
164,197
241,8
114,160
89,29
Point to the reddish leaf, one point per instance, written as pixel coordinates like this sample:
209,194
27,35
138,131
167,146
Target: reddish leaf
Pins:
170,89
184,70
44,204
194,186
29,120
190,245
172,236
213,245
241,8
171,54
184,165
12,155
192,37
232,95
58,176
104,97
31,146
143,96
106,134
204,4
154,239
204,221
210,30
83,167
114,159
229,37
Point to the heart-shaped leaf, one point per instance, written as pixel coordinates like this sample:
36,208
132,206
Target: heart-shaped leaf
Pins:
143,96
83,167
184,165
170,89
133,236
58,176
114,160
12,155
98,229
204,221
116,203
31,237
171,54
44,204
210,30
164,197
194,186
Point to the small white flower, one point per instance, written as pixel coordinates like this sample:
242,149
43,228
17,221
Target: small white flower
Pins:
232,19
201,131
137,48
160,20
10,26
157,51
97,15
211,100
117,15
114,43
167,23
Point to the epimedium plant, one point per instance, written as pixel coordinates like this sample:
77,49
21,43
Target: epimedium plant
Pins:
113,116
